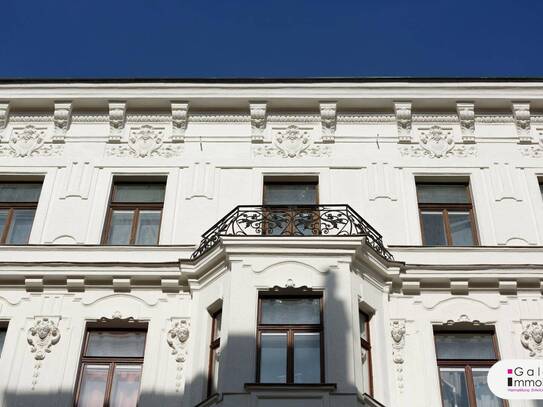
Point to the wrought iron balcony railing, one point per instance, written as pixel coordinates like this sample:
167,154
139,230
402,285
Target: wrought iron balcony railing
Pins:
303,220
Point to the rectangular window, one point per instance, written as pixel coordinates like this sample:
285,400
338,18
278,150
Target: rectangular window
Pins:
446,214
214,353
111,366
463,360
18,203
3,330
135,213
290,208
290,340
365,350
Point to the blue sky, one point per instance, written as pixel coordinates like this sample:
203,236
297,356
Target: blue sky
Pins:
273,38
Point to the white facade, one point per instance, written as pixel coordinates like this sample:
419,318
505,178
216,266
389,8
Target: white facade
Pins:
366,143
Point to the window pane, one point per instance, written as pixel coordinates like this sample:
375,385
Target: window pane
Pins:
119,344
465,346
460,223
273,358
3,219
290,194
363,319
20,192
148,227
217,325
445,193
120,227
291,311
485,398
433,229
21,225
2,339
453,387
93,386
307,358
141,193
366,370
541,189
126,386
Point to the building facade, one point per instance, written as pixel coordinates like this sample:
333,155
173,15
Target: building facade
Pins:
350,242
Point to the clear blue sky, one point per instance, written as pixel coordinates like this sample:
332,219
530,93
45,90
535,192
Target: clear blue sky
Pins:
273,38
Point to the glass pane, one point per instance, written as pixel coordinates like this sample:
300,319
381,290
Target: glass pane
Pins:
541,189
460,223
120,227
290,194
217,325
363,320
433,229
119,344
93,386
3,219
2,339
125,387
291,311
307,358
21,225
444,193
141,193
19,192
366,374
485,398
273,358
453,387
465,346
148,227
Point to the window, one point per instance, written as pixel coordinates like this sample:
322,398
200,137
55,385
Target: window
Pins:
214,353
3,330
287,208
446,215
365,347
290,340
134,214
110,369
463,360
18,203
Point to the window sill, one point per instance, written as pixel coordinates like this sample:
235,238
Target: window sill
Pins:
325,387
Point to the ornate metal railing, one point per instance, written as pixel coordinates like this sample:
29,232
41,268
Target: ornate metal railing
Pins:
280,220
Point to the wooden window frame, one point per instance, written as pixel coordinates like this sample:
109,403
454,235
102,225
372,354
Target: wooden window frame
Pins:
444,209
290,330
131,206
12,206
293,208
366,345
467,364
214,346
110,361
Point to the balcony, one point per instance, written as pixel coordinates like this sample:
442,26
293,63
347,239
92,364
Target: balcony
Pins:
306,220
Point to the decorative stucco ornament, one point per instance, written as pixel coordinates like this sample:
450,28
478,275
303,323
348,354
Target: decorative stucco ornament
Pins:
532,338
177,338
437,141
291,142
397,332
26,141
145,140
41,337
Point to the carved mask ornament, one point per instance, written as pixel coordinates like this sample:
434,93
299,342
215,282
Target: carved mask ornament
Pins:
532,338
292,141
